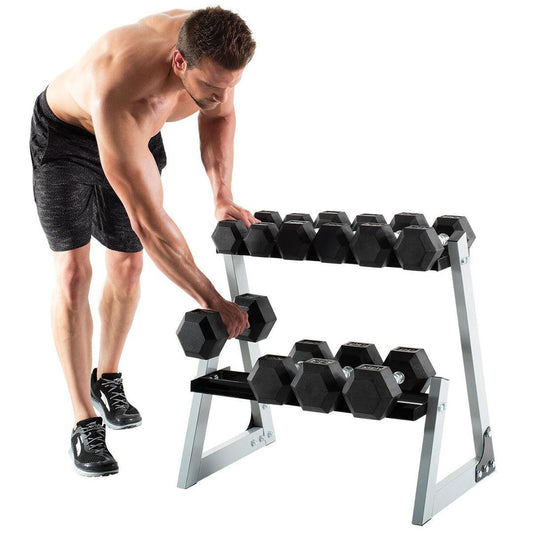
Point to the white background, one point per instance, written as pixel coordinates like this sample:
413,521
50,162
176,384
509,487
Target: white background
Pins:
373,107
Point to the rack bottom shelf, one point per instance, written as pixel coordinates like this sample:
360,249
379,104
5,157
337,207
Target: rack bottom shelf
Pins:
234,384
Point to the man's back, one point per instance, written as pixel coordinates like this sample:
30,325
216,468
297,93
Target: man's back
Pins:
133,60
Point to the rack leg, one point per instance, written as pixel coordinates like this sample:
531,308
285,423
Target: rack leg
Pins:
196,430
466,316
197,464
429,460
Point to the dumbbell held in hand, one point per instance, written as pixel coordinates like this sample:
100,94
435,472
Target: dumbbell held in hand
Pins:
202,332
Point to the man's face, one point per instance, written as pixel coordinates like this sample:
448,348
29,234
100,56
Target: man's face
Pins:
209,84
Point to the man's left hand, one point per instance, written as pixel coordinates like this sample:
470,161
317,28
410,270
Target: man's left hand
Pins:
229,210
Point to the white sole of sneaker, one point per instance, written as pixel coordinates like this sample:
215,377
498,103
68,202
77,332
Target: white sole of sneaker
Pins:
109,424
91,474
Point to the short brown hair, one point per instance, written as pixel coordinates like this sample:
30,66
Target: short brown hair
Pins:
218,34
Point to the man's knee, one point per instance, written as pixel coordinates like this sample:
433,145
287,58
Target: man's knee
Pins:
73,275
124,271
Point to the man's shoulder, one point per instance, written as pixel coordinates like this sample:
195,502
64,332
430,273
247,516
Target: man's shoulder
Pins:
167,22
128,57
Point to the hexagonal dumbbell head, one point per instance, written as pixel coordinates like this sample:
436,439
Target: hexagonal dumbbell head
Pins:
229,236
414,364
318,384
354,354
308,349
261,316
306,217
260,240
269,216
367,217
448,224
418,247
373,244
295,238
340,217
202,334
371,391
402,220
271,378
331,242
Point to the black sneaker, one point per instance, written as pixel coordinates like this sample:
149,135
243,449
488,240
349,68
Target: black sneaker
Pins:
89,451
109,399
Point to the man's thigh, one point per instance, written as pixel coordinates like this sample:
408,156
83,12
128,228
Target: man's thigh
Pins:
111,224
65,210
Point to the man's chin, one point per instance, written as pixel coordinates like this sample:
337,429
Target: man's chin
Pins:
203,105
207,106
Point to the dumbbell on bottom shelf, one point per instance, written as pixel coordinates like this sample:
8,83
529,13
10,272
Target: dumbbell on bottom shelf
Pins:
272,375
202,333
369,390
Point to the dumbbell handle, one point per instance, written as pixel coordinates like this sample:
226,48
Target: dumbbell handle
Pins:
398,376
247,330
442,236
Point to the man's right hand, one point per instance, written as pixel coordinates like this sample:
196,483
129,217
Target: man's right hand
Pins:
234,318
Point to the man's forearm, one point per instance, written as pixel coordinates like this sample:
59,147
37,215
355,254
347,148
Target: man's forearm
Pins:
216,146
168,249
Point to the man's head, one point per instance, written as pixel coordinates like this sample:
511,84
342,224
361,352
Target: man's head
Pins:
214,45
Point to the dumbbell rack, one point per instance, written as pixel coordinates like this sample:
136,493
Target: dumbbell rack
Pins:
431,496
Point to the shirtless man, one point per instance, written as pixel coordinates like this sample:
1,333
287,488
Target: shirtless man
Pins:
97,156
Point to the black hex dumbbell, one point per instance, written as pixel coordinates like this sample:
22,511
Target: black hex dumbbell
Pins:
367,217
271,376
372,390
326,217
332,241
419,247
295,239
202,333
318,383
261,238
229,237
373,242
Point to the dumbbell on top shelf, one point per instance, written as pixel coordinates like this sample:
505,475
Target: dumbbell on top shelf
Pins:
296,236
232,236
271,376
419,247
261,238
202,333
269,239
373,243
332,242
318,382
372,390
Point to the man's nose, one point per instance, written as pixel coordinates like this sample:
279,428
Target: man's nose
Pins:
222,96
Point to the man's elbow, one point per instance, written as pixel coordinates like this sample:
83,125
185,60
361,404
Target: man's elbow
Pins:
147,222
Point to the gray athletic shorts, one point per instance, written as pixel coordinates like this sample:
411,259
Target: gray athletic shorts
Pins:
74,198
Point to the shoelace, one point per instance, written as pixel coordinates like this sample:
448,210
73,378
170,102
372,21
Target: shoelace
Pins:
95,434
115,392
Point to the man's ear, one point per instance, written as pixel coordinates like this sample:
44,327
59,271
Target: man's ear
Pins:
178,61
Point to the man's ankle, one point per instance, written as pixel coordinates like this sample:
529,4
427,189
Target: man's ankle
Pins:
79,417
105,370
